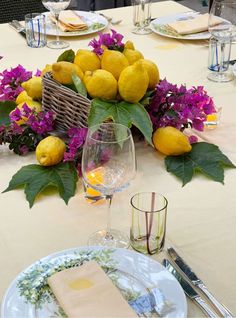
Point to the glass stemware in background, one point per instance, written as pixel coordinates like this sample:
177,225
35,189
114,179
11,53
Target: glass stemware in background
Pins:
141,16
108,165
55,7
222,26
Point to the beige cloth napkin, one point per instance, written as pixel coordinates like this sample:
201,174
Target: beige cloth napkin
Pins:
198,24
70,21
87,292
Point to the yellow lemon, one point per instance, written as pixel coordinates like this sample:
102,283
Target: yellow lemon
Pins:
132,55
50,151
87,60
171,141
114,62
63,71
32,105
47,68
22,97
33,87
153,73
133,83
100,84
129,45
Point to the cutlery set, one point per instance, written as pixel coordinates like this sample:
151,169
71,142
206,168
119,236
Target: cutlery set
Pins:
187,279
109,19
18,27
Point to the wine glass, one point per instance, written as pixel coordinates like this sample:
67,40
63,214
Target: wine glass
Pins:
55,7
108,166
222,26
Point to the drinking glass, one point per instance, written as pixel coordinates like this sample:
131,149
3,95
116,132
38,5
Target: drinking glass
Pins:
141,16
55,7
108,166
35,29
148,228
222,26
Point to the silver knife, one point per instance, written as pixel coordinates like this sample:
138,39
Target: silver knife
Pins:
17,27
196,281
188,289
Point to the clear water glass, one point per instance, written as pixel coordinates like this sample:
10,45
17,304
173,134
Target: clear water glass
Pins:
35,29
222,26
55,7
141,16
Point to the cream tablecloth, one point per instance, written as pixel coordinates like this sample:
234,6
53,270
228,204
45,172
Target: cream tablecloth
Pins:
201,216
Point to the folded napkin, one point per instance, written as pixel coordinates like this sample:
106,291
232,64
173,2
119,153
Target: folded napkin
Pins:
195,25
70,21
87,292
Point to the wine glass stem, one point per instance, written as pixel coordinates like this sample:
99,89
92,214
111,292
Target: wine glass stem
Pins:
108,229
57,28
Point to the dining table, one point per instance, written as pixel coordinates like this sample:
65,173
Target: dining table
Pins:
201,216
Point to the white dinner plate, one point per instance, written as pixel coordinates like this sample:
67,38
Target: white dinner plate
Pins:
133,273
94,21
159,26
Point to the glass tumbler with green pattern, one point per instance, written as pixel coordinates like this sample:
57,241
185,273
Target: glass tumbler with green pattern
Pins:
148,226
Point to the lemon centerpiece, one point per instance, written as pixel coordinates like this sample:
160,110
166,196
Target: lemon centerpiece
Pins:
133,82
50,151
100,84
171,141
87,60
33,87
63,71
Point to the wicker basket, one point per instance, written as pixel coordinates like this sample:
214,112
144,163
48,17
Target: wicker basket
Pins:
71,108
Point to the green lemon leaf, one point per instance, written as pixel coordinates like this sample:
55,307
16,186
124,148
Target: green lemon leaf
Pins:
139,118
36,178
204,158
5,109
80,88
123,113
68,56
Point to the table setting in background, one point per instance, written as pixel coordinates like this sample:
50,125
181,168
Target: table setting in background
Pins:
117,158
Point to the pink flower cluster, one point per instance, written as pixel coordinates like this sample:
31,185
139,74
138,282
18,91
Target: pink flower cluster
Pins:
40,123
24,138
77,139
111,41
10,82
179,107
74,147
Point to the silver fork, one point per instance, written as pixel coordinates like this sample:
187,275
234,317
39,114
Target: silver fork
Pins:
109,19
18,27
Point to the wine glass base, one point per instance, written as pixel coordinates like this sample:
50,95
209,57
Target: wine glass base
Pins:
115,238
57,44
220,77
142,31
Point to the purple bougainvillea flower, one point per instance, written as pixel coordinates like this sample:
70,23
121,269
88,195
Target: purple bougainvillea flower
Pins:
192,139
77,140
15,115
179,107
16,129
10,82
38,73
24,150
112,41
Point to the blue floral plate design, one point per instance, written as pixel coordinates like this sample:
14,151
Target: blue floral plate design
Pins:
133,273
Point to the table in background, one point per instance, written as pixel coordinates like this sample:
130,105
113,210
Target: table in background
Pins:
201,216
